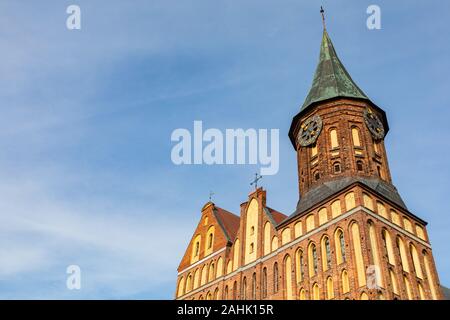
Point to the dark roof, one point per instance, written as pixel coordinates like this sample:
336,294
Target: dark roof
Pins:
228,221
276,216
331,79
327,189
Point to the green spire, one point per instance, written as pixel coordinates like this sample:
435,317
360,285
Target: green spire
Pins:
331,80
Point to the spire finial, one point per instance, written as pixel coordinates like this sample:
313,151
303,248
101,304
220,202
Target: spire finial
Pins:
211,195
323,17
255,181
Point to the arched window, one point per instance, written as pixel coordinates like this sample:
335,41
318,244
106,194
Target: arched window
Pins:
196,278
336,208
326,255
235,290
275,277
312,260
229,266
264,283
330,289
204,277
288,277
350,201
285,236
252,247
302,294
408,288
337,167
382,210
209,296
416,261
310,223
340,246
323,216
196,249
421,292
420,232
244,289
374,251
252,230
298,229
357,250
236,255
267,238
407,224
430,277
364,296
393,282
225,294
345,281
219,271
254,286
316,292
355,136
368,202
334,139
360,165
216,294
274,243
299,265
181,287
388,246
395,217
403,256
209,241
211,275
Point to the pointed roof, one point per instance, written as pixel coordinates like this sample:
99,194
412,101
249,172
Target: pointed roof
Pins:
229,222
331,79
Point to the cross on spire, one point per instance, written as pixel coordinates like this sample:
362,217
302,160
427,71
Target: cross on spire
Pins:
323,17
211,195
255,181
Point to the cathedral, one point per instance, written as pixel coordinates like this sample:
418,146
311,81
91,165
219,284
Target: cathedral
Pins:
351,236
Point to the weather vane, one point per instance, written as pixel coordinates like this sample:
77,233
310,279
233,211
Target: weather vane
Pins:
211,195
323,16
255,181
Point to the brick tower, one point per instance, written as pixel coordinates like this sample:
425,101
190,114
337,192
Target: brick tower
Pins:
351,235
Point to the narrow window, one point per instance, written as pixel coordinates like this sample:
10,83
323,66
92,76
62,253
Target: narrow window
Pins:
359,165
210,240
355,136
264,283
275,278
316,175
254,286
244,289
337,167
334,139
197,248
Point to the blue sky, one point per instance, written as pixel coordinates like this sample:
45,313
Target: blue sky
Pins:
86,118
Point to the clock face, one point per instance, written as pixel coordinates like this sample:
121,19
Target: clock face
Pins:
309,131
374,124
